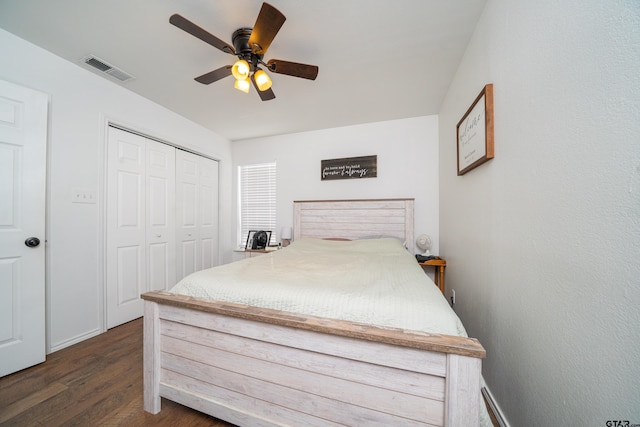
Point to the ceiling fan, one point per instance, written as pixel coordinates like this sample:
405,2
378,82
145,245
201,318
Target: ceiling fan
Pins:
249,45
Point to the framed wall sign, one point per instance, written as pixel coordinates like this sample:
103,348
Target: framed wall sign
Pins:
474,132
349,168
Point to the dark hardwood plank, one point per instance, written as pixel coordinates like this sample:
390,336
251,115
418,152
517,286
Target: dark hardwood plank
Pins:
97,382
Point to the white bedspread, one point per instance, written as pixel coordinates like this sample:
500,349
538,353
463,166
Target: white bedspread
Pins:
371,281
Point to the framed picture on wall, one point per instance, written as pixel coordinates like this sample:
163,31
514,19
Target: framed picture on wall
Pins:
474,132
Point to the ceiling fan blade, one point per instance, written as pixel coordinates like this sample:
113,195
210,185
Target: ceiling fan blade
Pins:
267,25
202,34
293,69
264,95
214,75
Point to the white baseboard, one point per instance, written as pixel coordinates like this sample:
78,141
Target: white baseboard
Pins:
494,407
74,340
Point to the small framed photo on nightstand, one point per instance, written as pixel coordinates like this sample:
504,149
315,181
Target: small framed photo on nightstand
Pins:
250,235
257,239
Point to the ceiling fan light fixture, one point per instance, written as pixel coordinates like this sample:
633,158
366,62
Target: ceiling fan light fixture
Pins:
242,85
240,69
250,45
263,81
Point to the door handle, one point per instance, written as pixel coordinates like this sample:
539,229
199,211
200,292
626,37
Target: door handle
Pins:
32,242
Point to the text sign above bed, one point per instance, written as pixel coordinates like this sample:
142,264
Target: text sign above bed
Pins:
349,168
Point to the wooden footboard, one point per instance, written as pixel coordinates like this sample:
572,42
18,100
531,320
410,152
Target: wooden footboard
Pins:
262,367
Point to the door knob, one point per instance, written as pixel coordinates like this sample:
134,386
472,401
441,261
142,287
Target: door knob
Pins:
32,242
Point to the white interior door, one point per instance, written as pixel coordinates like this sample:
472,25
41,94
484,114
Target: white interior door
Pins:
197,213
140,246
23,139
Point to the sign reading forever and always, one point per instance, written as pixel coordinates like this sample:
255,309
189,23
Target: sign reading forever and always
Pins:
349,168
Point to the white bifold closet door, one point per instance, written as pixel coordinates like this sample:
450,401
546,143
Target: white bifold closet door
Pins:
162,219
196,213
140,222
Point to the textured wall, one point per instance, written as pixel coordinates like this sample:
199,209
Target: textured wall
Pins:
543,242
407,153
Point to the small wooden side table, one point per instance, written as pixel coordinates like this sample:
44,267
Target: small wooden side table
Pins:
249,253
440,265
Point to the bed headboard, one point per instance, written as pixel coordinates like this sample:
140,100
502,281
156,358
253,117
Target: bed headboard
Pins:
353,219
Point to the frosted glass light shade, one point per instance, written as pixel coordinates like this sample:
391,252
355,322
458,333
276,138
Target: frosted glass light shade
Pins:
240,69
242,85
263,81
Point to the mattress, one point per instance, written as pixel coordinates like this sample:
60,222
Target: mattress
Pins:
373,281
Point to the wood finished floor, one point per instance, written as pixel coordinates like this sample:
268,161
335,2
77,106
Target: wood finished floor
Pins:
97,382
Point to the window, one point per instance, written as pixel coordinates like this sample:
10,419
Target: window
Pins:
257,200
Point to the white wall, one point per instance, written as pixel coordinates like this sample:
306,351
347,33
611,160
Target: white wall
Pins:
543,242
80,105
407,153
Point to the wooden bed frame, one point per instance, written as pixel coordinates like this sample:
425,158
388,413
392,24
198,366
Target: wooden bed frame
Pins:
354,219
260,367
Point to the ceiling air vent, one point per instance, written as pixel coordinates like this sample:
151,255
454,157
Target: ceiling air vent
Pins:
106,68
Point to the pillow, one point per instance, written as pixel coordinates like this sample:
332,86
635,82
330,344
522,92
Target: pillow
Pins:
339,239
381,236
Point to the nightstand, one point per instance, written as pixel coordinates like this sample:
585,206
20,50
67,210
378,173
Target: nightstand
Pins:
439,265
249,253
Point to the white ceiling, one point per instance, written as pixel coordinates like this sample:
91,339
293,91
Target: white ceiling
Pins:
379,59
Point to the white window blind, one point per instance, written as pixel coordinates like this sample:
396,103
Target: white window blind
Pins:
257,199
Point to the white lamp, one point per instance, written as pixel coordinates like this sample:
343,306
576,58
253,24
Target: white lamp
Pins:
286,235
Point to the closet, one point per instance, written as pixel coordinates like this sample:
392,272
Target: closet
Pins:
197,213
161,219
